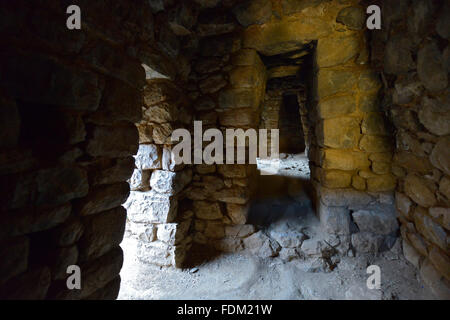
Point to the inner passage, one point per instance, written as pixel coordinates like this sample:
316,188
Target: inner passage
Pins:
282,205
292,140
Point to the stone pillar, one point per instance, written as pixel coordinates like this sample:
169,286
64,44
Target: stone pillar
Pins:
154,217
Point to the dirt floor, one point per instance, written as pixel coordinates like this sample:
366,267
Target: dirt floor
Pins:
244,276
247,276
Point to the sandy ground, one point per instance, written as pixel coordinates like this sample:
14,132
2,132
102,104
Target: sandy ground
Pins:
245,276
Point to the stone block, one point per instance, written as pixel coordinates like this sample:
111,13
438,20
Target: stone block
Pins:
434,115
237,213
398,55
162,133
294,6
442,215
431,230
440,261
366,242
120,102
102,232
239,231
378,219
381,167
24,221
247,77
359,183
103,198
160,90
48,82
312,248
417,242
339,133
332,81
151,207
434,281
214,229
212,84
236,195
113,142
285,36
99,272
109,292
140,180
108,171
173,233
430,68
31,285
442,24
282,72
413,163
344,198
411,254
385,182
375,124
145,133
344,160
205,168
335,220
335,51
353,17
288,238
148,157
416,188
68,233
207,210
440,156
335,178
253,12
375,144
105,58
229,245
162,112
240,118
403,204
233,170
337,106
444,186
246,57
145,232
170,183
261,245
57,186
370,102
60,259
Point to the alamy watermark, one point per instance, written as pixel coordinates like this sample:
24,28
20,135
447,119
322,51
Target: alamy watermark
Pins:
231,149
373,20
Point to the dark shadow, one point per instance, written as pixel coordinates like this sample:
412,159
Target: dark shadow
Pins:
279,197
200,254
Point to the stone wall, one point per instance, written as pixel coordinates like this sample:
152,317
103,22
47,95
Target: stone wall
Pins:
350,149
227,97
157,180
69,101
412,52
76,107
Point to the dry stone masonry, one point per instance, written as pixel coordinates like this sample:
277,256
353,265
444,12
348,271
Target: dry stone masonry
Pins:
87,118
412,55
